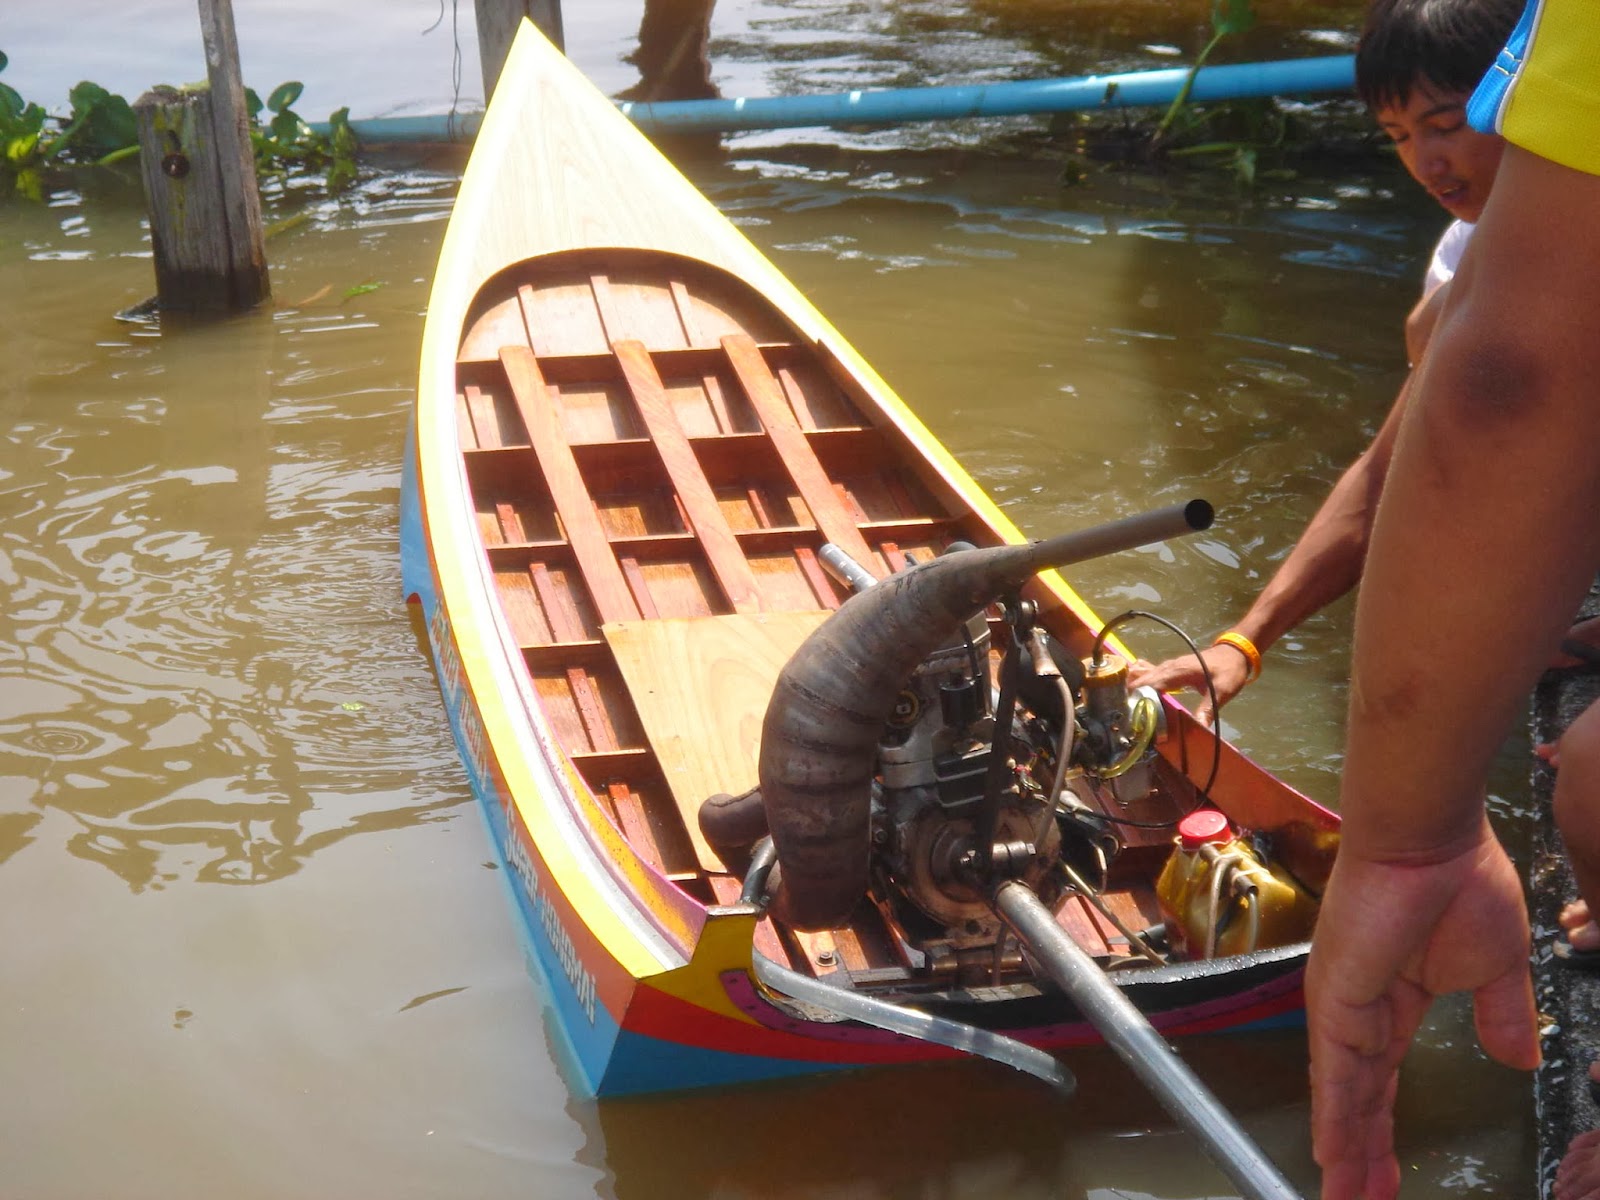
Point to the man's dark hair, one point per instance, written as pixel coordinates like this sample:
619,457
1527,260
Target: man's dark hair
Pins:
1449,43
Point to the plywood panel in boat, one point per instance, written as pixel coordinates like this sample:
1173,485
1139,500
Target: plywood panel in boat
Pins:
680,587
691,404
499,324
635,311
783,582
588,711
638,514
704,320
597,411
1086,926
523,611
721,669
517,522
565,603
562,318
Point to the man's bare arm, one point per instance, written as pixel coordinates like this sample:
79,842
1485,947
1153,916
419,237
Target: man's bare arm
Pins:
1489,531
1487,535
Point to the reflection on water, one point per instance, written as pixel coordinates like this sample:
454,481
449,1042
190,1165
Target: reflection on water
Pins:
206,675
198,565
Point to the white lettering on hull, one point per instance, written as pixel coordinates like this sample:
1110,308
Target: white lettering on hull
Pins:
475,753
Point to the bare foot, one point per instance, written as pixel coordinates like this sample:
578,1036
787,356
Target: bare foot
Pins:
1550,752
1578,1176
1582,931
1575,914
1584,633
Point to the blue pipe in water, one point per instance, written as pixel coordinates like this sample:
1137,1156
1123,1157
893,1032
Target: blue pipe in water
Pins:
890,105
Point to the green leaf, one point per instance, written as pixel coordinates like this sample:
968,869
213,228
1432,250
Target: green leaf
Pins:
361,289
1244,166
284,95
21,150
86,95
1232,16
30,184
340,176
11,104
3,60
252,103
101,122
285,130
341,137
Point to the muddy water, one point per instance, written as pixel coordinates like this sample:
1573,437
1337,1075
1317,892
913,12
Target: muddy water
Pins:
253,943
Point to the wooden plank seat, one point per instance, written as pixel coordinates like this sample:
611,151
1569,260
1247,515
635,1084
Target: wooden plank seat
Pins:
688,479
816,489
722,669
579,518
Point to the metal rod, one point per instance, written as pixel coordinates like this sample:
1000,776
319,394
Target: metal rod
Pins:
1005,708
1125,533
1141,1046
843,568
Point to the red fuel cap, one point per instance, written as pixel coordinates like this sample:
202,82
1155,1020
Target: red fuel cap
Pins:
1201,826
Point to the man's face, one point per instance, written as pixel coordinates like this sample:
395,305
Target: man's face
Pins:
1444,154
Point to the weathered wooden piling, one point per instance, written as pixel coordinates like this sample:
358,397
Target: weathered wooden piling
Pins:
200,182
497,26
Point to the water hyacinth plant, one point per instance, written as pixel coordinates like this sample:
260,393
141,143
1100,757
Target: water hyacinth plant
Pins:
101,129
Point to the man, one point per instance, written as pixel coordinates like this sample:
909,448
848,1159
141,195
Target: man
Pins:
1486,539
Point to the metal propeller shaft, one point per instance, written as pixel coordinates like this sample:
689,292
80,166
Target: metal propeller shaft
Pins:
1139,1045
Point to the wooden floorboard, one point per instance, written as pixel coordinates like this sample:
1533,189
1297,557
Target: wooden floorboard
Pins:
701,509
601,574
815,488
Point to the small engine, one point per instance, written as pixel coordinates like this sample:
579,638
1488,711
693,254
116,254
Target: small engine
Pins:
935,768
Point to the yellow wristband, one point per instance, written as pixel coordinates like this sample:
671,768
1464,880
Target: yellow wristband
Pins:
1244,646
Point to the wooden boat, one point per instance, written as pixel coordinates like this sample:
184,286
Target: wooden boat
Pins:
633,439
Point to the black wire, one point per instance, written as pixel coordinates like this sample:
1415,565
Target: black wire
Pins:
1204,793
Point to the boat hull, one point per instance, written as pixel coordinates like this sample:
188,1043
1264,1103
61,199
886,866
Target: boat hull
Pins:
557,613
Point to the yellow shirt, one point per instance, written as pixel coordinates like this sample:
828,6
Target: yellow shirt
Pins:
1543,92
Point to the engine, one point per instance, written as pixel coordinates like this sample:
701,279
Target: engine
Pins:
1071,728
894,762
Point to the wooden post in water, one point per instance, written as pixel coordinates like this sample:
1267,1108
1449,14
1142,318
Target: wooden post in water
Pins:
497,25
200,182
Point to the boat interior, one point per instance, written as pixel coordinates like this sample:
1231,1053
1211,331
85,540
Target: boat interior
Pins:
656,458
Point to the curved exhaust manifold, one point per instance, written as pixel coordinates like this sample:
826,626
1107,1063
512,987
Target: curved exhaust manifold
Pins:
827,713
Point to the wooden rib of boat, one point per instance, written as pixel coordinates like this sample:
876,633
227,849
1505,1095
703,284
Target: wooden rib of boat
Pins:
631,440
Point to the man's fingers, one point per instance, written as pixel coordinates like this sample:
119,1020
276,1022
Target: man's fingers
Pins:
1507,1021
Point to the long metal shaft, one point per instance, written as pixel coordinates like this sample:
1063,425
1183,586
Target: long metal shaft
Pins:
1139,1045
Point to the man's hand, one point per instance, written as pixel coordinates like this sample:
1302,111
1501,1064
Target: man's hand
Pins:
1229,673
1390,938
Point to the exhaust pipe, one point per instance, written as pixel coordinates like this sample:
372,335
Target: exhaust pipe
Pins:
820,736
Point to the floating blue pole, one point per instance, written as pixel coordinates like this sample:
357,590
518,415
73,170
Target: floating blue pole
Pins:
893,105
462,127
